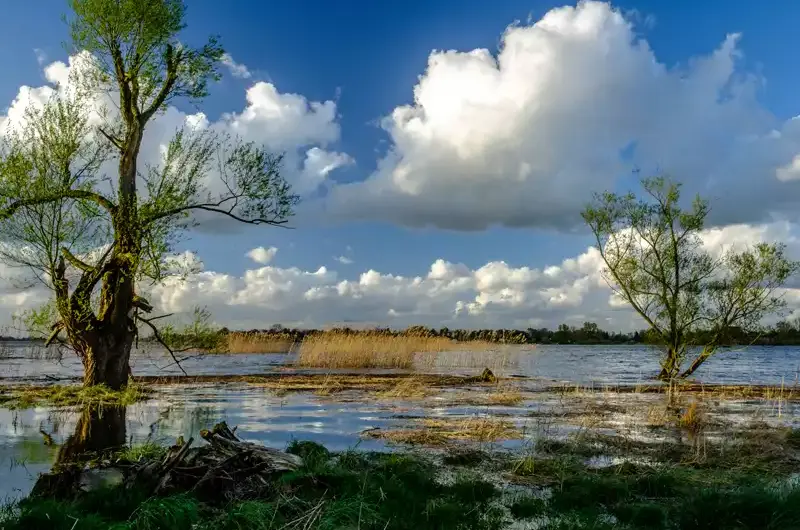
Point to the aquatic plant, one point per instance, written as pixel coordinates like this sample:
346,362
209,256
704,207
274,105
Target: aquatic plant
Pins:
22,397
443,431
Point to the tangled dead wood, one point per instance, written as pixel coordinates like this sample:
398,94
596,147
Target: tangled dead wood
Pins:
225,468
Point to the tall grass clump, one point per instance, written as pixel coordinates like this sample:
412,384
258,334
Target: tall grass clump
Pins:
334,349
364,350
249,342
475,354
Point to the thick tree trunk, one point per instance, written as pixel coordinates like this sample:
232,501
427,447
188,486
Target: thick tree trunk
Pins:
669,366
106,359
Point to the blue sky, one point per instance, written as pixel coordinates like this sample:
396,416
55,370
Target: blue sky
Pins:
368,56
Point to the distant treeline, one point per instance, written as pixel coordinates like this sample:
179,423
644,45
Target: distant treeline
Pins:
782,334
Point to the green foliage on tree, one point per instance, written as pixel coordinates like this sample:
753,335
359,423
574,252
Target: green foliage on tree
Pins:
656,262
94,234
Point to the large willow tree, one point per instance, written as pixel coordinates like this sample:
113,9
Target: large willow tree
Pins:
655,260
79,209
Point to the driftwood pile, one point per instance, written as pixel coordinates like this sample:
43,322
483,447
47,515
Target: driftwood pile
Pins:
224,469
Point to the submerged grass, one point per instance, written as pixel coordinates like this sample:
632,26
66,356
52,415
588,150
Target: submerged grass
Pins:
407,388
390,385
774,393
22,397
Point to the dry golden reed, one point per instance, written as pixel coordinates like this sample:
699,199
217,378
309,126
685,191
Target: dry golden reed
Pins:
365,350
441,431
406,388
693,418
474,354
504,397
239,342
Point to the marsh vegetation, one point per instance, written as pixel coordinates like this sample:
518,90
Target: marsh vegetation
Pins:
562,457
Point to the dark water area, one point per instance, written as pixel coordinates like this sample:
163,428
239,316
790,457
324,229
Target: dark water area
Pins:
584,365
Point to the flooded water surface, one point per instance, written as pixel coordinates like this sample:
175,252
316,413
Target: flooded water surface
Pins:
614,364
346,419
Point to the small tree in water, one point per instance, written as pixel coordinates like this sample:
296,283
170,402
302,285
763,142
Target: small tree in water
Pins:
93,237
655,260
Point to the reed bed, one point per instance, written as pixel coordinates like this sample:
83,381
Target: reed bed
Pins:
363,350
497,357
242,342
443,431
505,396
407,388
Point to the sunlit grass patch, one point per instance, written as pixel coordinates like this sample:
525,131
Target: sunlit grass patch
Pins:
70,395
329,385
378,350
471,355
692,418
442,431
505,395
145,451
406,388
341,350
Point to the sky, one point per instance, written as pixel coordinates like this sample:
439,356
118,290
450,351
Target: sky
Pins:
444,149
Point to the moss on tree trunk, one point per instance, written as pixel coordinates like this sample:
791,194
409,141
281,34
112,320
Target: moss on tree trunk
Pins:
106,358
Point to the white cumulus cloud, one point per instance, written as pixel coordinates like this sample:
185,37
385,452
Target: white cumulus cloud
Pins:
262,255
494,295
568,105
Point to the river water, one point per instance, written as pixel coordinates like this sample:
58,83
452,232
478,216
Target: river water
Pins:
616,364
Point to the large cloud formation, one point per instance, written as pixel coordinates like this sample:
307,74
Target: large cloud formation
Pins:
570,104
495,295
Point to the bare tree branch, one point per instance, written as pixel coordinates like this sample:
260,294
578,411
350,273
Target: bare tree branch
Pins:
157,336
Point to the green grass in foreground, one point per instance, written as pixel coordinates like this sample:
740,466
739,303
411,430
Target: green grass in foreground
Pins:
70,395
401,491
